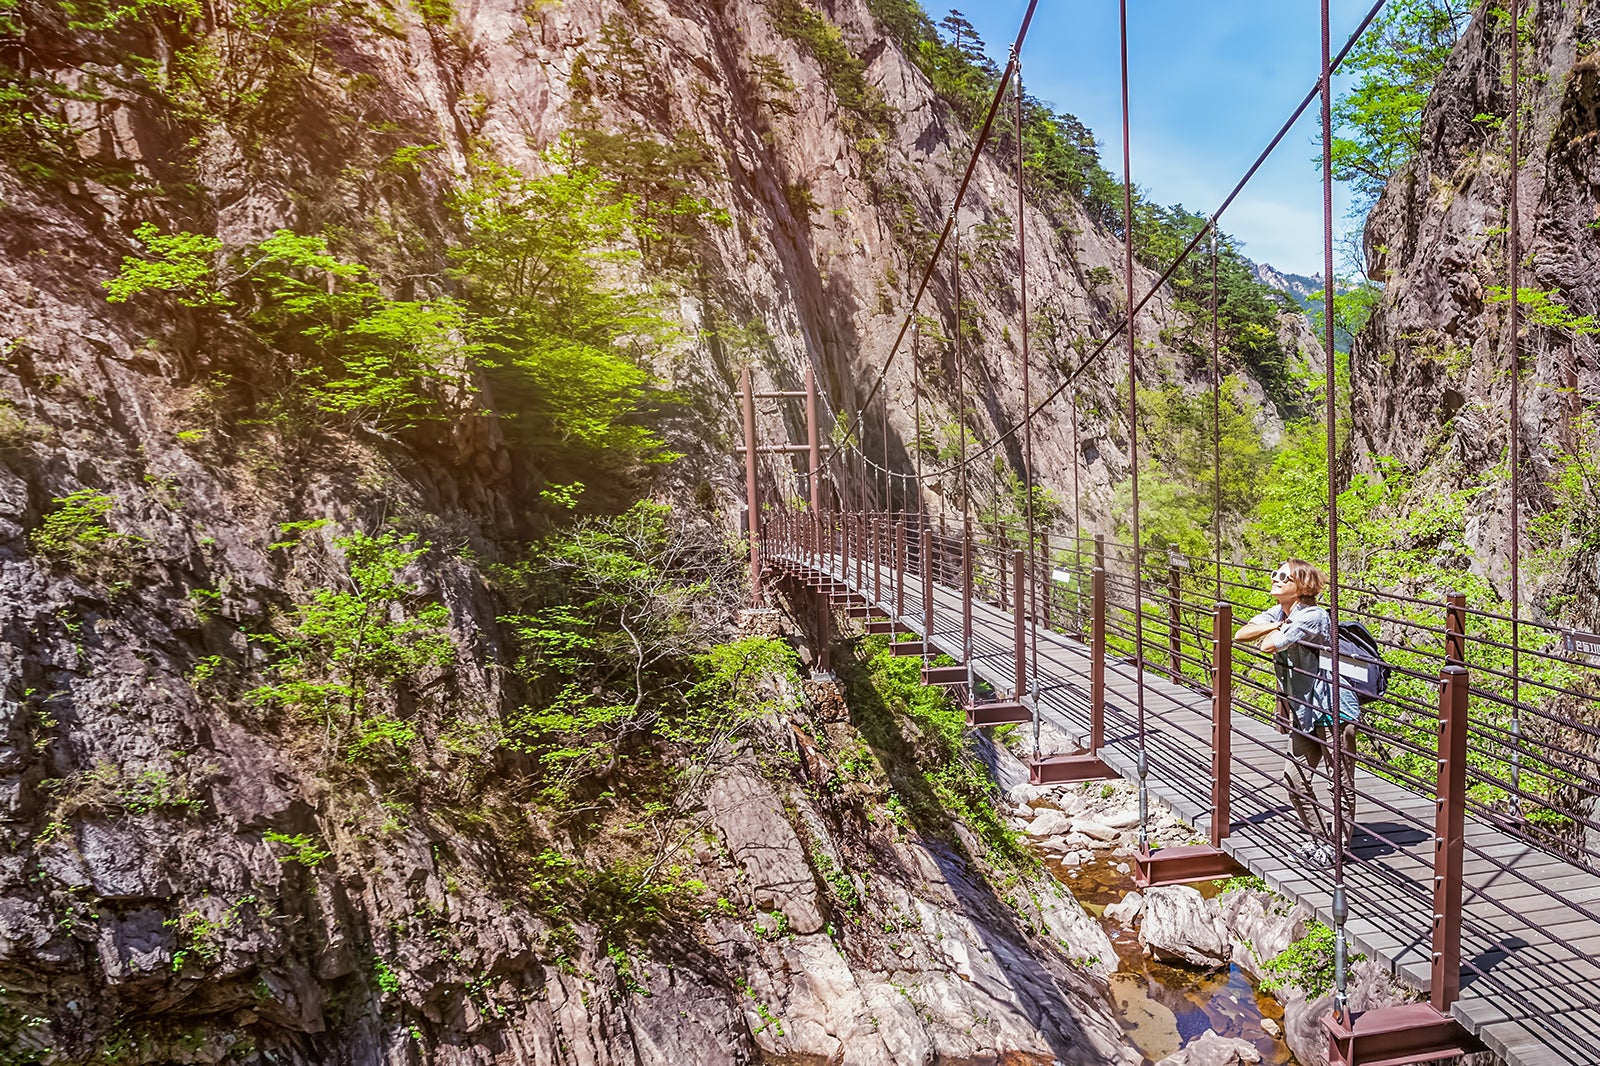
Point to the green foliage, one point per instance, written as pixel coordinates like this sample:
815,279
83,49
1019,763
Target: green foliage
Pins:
304,848
616,613
1547,309
1353,305
1182,440
201,937
182,263
865,116
77,527
347,350
1378,121
920,736
250,65
383,975
1244,883
567,348
1306,964
351,654
1247,311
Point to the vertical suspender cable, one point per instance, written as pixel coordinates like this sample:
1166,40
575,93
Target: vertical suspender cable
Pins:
888,478
1027,417
1216,420
916,407
1133,433
1514,280
1336,729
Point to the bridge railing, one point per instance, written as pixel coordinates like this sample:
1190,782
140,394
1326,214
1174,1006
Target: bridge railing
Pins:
1535,713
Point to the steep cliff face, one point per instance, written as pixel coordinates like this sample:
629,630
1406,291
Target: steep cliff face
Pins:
1432,369
191,874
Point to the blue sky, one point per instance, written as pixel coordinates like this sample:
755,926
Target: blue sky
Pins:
1211,83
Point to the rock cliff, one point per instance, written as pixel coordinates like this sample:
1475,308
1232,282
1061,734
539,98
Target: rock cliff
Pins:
1431,371
187,878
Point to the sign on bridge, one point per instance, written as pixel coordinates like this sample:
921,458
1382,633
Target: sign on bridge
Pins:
1577,643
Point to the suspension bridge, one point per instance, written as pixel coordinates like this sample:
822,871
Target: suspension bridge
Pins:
1473,864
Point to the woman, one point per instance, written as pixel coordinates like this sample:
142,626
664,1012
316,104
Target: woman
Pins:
1299,633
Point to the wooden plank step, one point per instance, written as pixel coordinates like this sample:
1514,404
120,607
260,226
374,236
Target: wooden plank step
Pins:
865,610
944,675
906,647
1063,769
886,625
1001,712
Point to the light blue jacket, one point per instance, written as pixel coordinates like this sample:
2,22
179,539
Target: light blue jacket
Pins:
1306,639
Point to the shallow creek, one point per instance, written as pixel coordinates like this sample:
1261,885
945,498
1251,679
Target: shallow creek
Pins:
1162,1008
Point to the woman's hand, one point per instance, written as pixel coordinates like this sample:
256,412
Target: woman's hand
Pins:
1257,631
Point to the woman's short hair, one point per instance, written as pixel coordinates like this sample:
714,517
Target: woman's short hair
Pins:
1308,580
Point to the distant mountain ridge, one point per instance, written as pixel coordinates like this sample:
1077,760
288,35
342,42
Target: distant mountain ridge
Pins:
1297,286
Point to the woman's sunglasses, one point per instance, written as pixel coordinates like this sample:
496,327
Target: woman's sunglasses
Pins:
1282,575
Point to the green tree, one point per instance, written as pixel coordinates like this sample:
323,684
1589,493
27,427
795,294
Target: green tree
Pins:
1378,121
354,655
345,348
565,348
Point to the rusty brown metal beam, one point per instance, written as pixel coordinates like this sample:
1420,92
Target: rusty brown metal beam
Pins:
1222,724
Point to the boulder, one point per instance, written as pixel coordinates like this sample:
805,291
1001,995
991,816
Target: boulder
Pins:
1126,819
1049,824
1180,924
1210,1049
1095,830
1126,911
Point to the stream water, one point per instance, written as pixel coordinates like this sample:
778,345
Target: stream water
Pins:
1162,1008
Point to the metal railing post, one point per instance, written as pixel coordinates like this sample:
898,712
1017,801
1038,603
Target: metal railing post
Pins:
1455,629
966,594
1449,841
877,563
1099,551
861,543
899,569
1174,624
927,591
1019,602
1221,724
1097,662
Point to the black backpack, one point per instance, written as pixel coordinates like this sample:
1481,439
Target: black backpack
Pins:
1358,645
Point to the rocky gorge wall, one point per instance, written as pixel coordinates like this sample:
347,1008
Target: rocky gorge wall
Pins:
185,878
1431,371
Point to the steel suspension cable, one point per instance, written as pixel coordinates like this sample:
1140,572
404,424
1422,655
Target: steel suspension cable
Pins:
1182,257
1216,419
961,192
1514,280
1032,672
1336,727
916,408
1133,430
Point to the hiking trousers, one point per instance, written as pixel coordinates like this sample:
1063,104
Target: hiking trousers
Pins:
1311,757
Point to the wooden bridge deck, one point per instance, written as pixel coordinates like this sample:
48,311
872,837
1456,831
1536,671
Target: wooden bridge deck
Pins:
1531,922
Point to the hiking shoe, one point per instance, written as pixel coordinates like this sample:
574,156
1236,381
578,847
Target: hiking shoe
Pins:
1320,856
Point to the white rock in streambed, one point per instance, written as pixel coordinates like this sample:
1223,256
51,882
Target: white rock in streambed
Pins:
1049,823
1210,1049
1181,924
1095,830
1120,819
1126,911
1025,793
